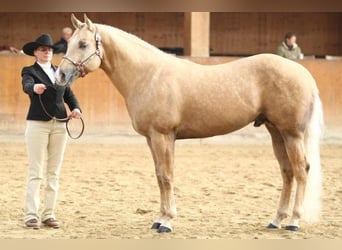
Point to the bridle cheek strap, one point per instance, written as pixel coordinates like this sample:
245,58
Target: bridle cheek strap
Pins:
80,65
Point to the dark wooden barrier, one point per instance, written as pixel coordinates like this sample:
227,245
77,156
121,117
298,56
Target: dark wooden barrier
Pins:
104,108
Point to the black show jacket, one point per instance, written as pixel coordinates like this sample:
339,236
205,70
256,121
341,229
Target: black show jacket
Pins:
53,97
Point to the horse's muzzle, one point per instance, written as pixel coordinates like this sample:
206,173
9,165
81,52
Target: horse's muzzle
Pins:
65,77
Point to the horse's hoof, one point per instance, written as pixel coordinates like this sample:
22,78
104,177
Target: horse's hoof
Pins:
271,226
163,229
292,228
156,225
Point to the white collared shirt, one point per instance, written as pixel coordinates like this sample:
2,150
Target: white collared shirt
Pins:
48,70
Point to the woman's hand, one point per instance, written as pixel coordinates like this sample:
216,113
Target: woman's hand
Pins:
39,88
76,113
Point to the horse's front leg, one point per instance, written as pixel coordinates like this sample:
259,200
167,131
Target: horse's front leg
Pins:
162,148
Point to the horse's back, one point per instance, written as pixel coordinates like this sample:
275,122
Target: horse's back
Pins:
273,65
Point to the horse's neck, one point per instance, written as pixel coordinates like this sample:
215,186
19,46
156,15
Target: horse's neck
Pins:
128,60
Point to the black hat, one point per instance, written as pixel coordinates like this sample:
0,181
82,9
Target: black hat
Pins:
43,40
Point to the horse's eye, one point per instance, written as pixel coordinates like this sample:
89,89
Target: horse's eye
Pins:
82,45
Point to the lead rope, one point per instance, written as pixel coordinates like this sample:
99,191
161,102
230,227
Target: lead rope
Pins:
66,120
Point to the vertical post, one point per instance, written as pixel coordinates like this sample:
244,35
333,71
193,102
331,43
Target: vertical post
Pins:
196,33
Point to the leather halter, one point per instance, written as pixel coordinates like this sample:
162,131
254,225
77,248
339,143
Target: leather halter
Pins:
80,65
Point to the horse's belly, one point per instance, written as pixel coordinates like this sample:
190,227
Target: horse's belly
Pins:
200,129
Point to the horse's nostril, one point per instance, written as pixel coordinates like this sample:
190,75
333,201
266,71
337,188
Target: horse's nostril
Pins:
62,76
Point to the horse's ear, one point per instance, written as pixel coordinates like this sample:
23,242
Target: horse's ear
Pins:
75,22
89,23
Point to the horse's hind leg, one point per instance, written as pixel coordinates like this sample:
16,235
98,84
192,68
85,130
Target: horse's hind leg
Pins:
295,149
286,173
162,148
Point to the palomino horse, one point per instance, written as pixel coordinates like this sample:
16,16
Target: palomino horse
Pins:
169,98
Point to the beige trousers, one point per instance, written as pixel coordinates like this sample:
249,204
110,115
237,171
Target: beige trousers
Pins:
44,139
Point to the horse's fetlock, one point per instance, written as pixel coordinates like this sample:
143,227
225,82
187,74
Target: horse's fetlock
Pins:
297,214
171,214
282,215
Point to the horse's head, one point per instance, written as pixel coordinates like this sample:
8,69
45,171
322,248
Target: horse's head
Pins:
84,53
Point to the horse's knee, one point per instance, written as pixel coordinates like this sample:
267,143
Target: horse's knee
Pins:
165,180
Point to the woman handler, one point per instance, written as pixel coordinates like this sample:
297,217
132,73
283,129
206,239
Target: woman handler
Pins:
44,135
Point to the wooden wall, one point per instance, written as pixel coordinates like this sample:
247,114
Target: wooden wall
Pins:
104,108
160,29
252,33
230,33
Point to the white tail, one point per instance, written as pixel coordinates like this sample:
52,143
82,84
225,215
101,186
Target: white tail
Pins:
312,200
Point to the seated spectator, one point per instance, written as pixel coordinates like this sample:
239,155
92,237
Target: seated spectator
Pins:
62,45
289,48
